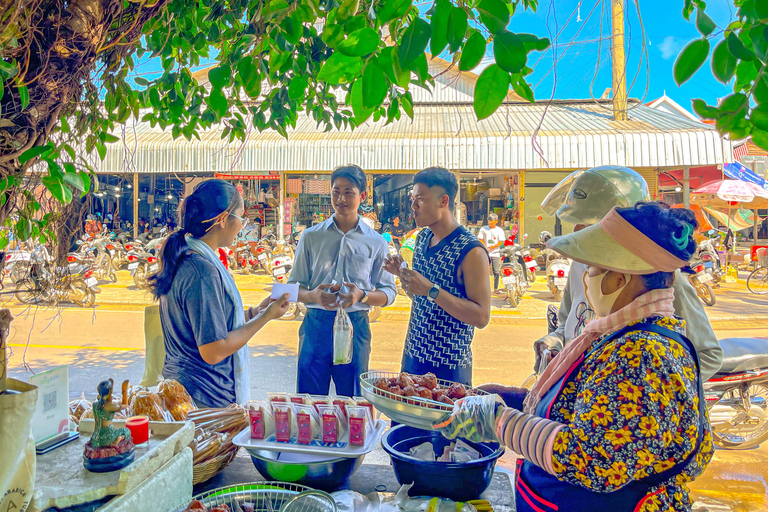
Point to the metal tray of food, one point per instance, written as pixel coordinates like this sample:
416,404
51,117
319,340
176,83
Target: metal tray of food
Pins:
258,496
413,411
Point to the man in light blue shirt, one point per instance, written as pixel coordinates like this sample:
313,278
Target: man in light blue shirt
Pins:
339,263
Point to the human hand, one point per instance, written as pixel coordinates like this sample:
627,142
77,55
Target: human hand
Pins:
253,312
473,418
414,283
277,308
392,264
326,295
354,296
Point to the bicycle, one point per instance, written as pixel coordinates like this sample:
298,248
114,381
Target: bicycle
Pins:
757,282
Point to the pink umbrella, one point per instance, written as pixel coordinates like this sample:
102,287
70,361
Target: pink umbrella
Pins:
727,194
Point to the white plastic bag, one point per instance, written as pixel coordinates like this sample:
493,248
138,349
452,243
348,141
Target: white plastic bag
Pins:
342,338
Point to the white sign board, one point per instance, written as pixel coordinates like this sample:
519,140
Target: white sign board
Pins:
52,413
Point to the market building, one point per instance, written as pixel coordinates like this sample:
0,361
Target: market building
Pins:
506,163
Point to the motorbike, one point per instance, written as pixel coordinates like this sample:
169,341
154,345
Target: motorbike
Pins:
700,279
557,276
141,265
707,253
513,277
46,286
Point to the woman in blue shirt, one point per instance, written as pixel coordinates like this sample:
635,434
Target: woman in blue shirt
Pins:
205,327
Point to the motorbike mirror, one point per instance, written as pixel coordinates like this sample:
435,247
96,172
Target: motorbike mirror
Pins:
711,232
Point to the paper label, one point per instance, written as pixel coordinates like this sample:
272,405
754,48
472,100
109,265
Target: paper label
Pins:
297,400
305,428
357,431
283,426
257,424
330,428
342,405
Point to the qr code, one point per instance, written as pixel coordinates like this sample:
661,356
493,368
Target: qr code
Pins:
49,401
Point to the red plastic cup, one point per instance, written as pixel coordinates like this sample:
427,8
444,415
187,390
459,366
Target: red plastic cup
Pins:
139,427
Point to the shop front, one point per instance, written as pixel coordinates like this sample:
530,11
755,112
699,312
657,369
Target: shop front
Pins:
485,192
261,196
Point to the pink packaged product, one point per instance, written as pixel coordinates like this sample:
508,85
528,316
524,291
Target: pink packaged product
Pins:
278,397
318,400
261,418
343,403
360,424
365,403
300,399
283,421
308,423
334,424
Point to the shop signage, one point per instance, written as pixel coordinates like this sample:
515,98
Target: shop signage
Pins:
247,176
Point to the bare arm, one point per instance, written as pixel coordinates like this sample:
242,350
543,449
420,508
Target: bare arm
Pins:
216,352
476,308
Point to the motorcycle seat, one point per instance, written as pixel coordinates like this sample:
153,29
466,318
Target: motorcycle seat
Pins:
743,354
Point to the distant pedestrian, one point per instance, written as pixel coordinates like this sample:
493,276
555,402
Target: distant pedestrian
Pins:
449,283
493,237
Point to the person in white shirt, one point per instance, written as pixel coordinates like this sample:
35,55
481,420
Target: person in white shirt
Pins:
492,236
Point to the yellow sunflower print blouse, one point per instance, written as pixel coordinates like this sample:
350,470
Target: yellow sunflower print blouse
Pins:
633,410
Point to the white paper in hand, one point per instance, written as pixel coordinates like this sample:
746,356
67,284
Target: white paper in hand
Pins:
278,289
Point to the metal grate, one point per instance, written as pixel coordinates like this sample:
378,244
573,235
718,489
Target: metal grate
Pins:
368,381
264,496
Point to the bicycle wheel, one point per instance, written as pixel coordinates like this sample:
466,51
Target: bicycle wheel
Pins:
757,282
27,292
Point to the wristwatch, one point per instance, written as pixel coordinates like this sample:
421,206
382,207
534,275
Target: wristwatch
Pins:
433,292
365,298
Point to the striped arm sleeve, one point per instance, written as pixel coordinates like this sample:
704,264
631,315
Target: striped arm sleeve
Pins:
530,436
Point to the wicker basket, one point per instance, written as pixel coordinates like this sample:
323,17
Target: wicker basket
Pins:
204,471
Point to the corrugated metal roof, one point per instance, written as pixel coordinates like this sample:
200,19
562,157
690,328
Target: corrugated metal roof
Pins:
573,135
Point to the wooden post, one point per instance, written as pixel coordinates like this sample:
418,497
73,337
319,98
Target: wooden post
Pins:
619,62
686,186
521,208
281,213
135,205
457,202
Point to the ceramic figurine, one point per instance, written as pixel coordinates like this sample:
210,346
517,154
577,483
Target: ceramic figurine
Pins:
110,447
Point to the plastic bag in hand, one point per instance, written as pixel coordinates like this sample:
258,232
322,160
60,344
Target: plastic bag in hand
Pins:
473,418
342,338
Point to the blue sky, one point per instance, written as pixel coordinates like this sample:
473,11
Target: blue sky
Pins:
578,46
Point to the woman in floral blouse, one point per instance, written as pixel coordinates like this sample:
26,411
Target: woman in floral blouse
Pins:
617,422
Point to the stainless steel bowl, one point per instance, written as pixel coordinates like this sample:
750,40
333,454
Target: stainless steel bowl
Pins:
316,471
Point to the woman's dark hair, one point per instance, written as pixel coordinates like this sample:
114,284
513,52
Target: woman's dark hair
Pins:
104,388
353,173
439,177
671,228
197,214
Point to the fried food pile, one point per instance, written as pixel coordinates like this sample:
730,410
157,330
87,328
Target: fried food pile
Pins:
407,386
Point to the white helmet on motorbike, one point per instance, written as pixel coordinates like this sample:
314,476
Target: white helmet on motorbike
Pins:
545,237
585,197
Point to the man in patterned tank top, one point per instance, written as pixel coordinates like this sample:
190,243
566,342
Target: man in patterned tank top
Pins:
448,284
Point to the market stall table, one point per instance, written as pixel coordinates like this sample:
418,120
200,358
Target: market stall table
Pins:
369,478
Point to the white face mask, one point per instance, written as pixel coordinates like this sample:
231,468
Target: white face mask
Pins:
593,288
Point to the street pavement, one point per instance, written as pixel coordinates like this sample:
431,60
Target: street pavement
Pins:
108,341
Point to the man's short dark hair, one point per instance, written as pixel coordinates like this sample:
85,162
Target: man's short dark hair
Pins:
353,173
439,177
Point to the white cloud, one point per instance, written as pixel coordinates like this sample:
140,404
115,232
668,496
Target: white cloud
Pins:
670,47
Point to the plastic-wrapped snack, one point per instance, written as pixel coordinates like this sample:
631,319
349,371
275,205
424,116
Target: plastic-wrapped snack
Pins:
318,400
284,421
308,423
334,424
344,402
176,399
362,402
278,397
301,399
146,403
360,424
261,418
78,407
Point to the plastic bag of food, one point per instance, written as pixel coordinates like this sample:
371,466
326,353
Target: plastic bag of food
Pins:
342,338
278,397
301,399
318,400
261,418
232,419
176,399
79,407
334,423
146,403
285,423
308,425
360,424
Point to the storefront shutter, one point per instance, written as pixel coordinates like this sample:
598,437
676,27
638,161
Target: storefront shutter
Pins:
652,177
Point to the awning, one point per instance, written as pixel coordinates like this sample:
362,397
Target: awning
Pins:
697,176
572,135
737,171
739,219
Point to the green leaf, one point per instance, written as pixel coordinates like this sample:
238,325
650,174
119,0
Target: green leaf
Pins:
220,76
439,23
522,88
348,8
761,90
494,14
374,85
340,69
457,27
490,91
723,63
218,102
356,100
108,137
704,23
407,101
705,111
360,42
86,182
74,180
58,189
143,82
23,96
297,87
414,42
246,70
7,70
421,68
332,35
759,36
32,153
101,149
393,9
533,43
738,49
402,76
473,52
760,138
509,52
690,60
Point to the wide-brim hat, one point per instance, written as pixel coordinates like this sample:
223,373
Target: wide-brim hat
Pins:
615,244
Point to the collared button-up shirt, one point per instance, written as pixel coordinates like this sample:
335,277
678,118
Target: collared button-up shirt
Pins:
325,254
